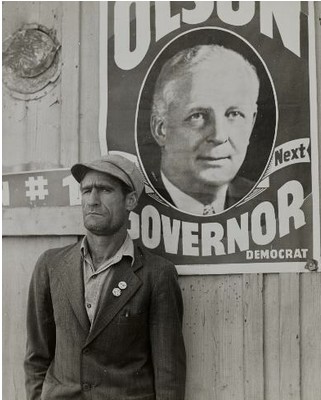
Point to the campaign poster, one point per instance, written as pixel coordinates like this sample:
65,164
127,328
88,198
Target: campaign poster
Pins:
216,103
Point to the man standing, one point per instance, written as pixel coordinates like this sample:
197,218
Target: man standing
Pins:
204,110
104,315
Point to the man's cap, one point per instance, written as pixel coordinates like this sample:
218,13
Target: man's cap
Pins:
114,165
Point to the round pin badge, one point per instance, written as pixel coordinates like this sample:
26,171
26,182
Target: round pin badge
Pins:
122,285
116,292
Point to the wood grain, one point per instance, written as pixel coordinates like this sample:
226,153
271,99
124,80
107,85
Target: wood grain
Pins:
310,323
19,258
271,310
253,336
89,81
69,120
289,337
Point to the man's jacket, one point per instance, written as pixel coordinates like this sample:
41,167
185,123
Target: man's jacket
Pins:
134,349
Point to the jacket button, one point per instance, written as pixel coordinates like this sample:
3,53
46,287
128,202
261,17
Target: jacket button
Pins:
86,386
86,350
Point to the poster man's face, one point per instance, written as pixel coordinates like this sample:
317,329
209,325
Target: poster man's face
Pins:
206,131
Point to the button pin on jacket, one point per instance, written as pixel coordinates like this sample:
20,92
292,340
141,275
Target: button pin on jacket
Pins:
116,292
122,285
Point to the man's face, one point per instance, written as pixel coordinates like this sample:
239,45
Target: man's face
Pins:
105,207
206,131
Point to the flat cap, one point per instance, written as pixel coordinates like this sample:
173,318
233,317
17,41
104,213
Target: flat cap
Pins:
114,165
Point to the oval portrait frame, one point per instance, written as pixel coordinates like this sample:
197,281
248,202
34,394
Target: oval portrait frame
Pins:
263,137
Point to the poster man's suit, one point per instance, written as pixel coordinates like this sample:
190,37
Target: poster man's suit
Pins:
237,189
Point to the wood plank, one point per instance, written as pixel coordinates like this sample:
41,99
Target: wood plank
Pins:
43,115
16,14
213,331
310,322
25,221
89,81
311,283
50,15
289,337
282,337
200,377
228,329
43,132
19,258
69,146
271,337
32,133
14,138
253,336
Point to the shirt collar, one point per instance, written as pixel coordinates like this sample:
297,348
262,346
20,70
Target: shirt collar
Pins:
187,203
126,249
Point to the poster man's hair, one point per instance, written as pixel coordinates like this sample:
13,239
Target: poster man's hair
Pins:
185,61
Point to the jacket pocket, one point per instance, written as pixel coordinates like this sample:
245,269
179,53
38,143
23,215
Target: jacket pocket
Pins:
127,317
49,384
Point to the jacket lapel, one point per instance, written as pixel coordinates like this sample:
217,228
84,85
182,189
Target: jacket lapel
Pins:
71,277
110,305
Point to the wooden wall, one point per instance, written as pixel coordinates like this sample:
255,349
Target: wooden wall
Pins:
248,337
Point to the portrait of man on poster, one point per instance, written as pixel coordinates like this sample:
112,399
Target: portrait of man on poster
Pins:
203,113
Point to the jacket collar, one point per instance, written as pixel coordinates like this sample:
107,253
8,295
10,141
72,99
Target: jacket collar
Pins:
70,274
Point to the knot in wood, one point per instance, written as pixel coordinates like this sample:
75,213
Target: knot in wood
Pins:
30,60
30,53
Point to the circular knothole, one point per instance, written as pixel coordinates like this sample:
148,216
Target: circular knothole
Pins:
31,62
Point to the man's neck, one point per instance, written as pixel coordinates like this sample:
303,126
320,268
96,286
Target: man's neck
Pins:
103,247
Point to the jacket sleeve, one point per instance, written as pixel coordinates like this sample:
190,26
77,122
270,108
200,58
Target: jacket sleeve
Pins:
40,331
168,350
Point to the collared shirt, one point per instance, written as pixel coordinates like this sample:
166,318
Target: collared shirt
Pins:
187,203
95,280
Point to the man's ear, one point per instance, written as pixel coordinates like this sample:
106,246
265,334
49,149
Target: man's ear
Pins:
158,130
254,116
131,201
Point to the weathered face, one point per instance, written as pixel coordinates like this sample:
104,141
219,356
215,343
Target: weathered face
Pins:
105,207
205,133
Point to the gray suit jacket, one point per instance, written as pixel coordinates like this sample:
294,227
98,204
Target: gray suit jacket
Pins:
134,349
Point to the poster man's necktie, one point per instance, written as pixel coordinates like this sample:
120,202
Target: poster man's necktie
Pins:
208,210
